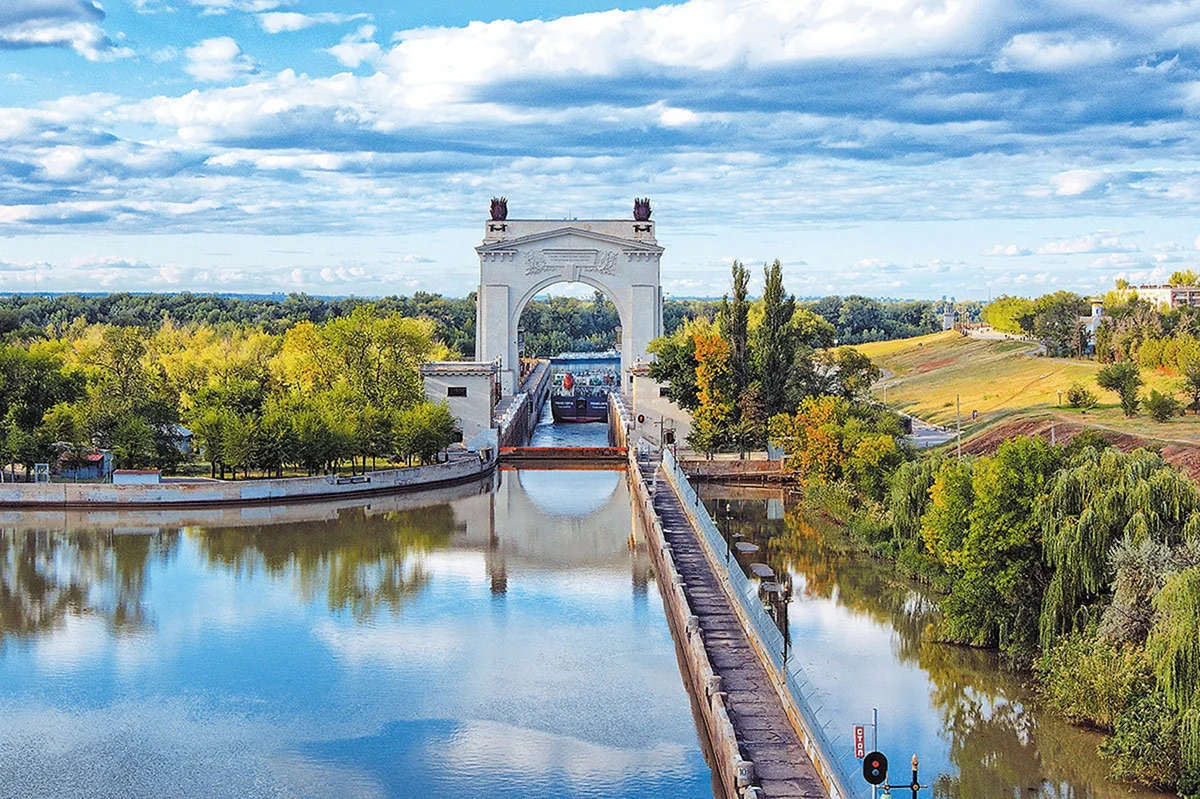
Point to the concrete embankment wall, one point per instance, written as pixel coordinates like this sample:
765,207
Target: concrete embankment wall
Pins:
786,676
261,492
728,469
620,421
732,770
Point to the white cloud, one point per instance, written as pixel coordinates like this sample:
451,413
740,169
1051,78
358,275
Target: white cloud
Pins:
58,23
1099,242
357,48
219,59
438,63
255,6
1077,182
290,21
1052,52
1008,250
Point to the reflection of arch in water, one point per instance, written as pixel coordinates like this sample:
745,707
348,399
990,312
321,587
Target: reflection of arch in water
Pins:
575,494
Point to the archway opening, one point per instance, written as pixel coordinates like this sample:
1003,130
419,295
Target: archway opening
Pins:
580,319
577,327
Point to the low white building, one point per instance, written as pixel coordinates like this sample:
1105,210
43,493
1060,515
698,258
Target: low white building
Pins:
470,388
654,413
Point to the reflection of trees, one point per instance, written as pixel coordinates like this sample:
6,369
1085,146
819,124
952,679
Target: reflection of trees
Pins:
1000,746
48,575
361,562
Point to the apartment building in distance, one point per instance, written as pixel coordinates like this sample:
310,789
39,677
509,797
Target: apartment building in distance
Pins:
1167,297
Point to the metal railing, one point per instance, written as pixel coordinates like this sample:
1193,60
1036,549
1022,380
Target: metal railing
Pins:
772,642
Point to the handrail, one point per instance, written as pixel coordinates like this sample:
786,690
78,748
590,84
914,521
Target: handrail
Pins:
771,642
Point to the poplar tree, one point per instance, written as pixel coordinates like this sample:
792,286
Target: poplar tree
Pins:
776,340
738,328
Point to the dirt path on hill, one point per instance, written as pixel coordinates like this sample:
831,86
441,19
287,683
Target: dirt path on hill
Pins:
1182,453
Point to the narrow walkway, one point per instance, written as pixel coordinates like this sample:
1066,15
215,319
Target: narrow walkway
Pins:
765,735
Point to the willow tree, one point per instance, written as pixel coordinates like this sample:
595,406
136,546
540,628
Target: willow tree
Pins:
1098,499
1174,647
908,497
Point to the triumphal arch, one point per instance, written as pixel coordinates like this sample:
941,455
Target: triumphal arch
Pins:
520,258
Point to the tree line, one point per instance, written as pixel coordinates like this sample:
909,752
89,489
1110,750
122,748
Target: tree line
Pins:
552,324
312,398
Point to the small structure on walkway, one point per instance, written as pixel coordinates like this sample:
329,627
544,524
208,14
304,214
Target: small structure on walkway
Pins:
133,477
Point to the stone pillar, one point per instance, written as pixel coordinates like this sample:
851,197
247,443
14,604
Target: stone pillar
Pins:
493,334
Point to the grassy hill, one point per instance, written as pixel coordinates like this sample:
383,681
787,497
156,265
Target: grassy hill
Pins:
1005,382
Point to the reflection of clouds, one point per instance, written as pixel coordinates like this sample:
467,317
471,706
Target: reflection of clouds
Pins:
479,749
426,644
851,660
134,749
74,644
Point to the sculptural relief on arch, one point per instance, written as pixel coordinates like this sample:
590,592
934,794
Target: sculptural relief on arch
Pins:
521,258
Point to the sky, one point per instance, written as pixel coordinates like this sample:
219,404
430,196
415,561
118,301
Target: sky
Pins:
893,148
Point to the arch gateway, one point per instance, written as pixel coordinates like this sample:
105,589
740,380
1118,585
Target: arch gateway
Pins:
520,258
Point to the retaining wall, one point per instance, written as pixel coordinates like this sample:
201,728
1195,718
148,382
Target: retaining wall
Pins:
732,770
249,492
755,471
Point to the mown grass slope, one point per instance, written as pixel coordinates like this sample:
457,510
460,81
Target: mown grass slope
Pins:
1004,380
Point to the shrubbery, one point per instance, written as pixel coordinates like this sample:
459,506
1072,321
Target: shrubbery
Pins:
1078,396
1162,407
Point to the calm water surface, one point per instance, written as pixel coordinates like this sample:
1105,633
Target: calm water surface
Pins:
498,640
858,630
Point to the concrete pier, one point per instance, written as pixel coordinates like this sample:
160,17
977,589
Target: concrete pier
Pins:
770,758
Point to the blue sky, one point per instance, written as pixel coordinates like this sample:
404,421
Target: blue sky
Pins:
904,148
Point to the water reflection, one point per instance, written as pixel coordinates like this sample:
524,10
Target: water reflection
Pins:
475,645
859,630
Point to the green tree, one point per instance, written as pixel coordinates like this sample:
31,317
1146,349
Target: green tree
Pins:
1184,277
996,598
1056,321
1162,407
775,345
735,320
425,430
1124,378
1099,497
1174,648
1191,383
675,363
713,420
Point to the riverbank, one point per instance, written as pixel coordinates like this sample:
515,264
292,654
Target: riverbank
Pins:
862,633
460,468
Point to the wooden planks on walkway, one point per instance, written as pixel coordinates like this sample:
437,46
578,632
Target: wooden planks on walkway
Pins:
764,732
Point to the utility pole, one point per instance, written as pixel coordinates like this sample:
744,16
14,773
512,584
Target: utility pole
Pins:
1053,438
958,421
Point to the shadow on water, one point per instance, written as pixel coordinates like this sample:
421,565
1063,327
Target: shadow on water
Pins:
861,632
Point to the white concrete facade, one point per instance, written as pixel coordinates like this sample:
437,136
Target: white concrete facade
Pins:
652,412
522,258
468,388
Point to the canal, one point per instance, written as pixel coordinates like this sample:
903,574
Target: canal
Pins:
501,639
859,632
